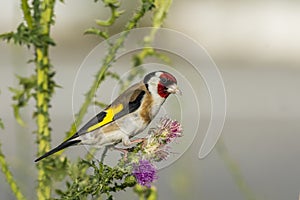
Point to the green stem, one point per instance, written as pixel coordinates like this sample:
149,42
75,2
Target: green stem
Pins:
160,13
114,15
27,15
43,94
43,132
234,169
9,177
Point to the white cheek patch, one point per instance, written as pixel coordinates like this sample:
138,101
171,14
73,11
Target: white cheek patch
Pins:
152,83
152,87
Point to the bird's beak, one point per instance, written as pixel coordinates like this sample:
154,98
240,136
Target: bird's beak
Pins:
173,89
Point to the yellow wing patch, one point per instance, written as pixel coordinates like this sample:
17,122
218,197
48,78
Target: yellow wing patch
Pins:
110,113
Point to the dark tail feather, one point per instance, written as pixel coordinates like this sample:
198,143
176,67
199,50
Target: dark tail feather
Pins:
63,145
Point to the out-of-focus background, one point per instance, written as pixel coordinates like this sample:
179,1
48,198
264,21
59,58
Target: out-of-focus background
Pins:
255,45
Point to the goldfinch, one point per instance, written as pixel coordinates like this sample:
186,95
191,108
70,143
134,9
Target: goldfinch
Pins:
126,116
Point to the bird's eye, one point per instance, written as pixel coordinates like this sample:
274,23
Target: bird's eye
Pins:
163,80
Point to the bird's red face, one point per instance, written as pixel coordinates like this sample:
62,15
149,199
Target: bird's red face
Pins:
167,85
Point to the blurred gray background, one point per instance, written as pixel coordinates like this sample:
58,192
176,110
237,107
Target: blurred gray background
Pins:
255,45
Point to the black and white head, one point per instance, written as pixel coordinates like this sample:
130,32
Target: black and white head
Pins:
161,83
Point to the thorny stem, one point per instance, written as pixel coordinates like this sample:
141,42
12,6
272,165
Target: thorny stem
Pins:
43,94
9,178
26,11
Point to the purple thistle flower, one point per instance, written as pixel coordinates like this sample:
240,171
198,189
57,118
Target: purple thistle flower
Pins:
144,172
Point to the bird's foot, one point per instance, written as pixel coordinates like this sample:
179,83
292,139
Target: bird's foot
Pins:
138,140
131,142
124,151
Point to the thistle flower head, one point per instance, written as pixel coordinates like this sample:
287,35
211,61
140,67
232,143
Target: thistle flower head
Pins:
144,172
166,131
154,149
170,129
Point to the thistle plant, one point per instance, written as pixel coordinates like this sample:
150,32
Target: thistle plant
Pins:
135,169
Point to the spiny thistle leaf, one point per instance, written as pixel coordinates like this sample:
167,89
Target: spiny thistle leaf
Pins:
97,32
22,96
28,37
113,5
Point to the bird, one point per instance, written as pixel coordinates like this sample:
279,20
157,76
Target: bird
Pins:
128,115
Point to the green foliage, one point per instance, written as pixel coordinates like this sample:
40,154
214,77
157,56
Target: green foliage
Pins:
102,179
34,32
146,193
9,177
115,14
28,37
95,31
8,174
22,96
